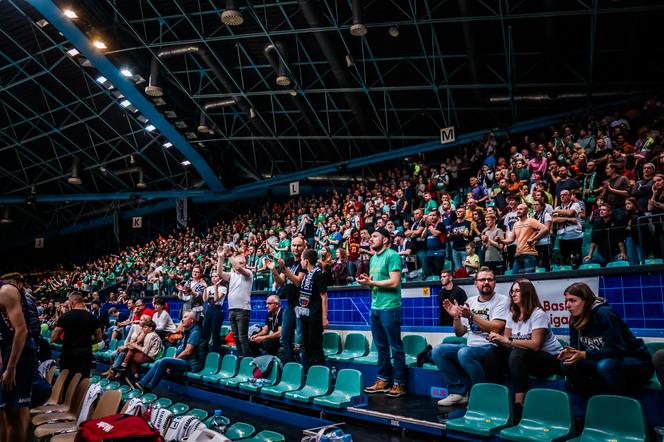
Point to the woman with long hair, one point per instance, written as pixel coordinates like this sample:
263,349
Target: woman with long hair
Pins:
527,346
603,353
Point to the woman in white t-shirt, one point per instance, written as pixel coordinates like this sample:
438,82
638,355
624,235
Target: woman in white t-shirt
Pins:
527,346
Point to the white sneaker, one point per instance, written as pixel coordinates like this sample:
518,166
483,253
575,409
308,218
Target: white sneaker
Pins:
454,399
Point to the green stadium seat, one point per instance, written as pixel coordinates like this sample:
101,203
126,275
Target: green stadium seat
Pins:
602,425
198,413
149,398
245,373
292,379
178,408
318,384
349,385
163,402
106,354
653,261
124,389
489,411
132,394
94,379
266,436
413,345
540,270
590,266
507,272
273,377
240,430
355,346
369,359
454,340
228,369
432,278
331,343
170,353
104,382
447,265
115,385
224,331
224,421
430,366
211,367
547,416
561,268
614,264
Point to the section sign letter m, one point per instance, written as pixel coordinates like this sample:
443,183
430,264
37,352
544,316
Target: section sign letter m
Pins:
447,135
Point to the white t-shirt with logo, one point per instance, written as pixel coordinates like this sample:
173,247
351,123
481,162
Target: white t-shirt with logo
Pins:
239,291
523,331
498,307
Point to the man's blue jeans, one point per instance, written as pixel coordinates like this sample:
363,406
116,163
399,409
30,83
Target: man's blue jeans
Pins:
291,332
156,373
461,365
386,332
524,264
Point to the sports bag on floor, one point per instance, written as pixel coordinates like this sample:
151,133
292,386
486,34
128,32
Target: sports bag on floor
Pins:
119,427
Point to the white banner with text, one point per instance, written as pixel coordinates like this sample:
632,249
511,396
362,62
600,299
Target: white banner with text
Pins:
550,292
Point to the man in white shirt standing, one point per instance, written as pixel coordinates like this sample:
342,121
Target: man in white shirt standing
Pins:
462,364
240,279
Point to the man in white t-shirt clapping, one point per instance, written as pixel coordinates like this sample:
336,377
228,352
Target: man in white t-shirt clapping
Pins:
240,280
462,364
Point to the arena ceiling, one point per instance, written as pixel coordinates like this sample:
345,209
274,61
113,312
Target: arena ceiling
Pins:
223,123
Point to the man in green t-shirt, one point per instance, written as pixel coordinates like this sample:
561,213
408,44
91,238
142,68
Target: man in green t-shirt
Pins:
384,279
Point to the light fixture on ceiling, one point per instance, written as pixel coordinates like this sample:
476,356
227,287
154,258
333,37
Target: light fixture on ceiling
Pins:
141,182
202,124
74,179
126,72
70,13
99,44
150,127
186,163
6,218
125,103
393,31
276,54
42,23
349,61
132,160
73,52
358,28
232,15
252,113
167,145
101,79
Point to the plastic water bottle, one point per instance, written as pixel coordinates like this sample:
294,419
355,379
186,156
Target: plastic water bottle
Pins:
218,423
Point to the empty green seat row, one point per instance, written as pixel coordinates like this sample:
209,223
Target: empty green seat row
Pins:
547,416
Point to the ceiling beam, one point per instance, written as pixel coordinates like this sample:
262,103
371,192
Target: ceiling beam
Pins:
55,16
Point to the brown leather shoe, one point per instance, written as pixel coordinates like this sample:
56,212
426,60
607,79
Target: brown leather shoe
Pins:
379,386
396,391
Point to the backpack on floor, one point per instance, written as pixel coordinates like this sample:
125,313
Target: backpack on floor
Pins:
118,427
